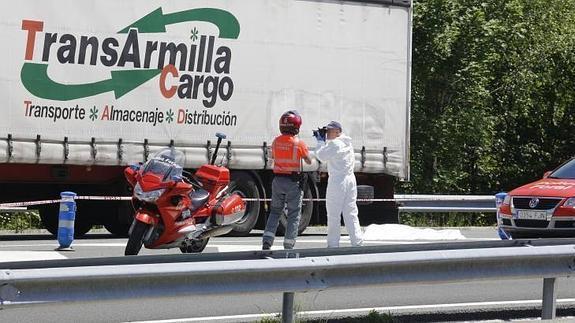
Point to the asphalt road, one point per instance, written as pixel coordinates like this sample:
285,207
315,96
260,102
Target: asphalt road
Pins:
99,243
457,301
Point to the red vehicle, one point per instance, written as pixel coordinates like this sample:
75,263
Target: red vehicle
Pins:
177,209
542,208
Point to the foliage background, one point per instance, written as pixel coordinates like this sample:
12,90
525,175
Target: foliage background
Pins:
493,93
493,98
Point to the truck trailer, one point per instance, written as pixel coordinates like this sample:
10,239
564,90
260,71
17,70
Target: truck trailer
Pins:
89,87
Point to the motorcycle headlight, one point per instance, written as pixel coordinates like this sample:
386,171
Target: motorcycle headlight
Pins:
151,196
570,202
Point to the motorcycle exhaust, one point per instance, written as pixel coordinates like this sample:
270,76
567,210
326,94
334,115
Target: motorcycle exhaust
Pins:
214,232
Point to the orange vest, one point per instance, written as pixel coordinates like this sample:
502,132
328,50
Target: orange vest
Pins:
288,152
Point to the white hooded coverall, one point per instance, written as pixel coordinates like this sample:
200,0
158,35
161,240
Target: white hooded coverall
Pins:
341,193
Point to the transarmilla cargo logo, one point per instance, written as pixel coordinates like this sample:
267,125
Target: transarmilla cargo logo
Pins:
198,60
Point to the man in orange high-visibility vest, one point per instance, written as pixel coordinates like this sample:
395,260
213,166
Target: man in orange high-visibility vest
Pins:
288,151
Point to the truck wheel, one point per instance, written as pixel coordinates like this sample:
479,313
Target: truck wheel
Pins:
195,246
306,213
136,239
49,217
122,215
117,228
81,227
245,185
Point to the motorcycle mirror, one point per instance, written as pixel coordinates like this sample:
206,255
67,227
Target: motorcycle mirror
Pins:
221,135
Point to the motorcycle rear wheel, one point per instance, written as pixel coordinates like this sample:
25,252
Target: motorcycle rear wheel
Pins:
196,246
136,238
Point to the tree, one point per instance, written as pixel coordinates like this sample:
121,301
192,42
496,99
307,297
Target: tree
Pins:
493,93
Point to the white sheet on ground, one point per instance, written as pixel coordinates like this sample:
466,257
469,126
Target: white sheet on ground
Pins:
405,232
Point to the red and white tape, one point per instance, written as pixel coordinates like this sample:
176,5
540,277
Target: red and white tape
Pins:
29,203
104,198
322,200
427,198
128,198
43,202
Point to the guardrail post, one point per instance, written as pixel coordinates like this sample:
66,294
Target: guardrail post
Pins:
66,221
549,298
288,313
288,309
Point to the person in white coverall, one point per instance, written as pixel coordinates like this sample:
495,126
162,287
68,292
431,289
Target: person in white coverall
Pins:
341,194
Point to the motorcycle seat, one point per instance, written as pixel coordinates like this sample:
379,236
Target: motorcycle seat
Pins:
199,197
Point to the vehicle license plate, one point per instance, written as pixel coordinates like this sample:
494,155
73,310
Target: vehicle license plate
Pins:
532,215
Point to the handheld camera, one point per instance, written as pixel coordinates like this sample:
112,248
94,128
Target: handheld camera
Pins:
320,132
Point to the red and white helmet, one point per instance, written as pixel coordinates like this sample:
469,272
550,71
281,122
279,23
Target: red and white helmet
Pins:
290,122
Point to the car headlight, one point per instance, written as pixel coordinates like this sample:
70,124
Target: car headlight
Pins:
150,196
507,199
570,202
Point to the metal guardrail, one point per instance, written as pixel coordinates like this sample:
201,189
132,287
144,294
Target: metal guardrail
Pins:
445,209
410,203
33,286
13,209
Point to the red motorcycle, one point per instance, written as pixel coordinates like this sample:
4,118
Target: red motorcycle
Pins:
177,209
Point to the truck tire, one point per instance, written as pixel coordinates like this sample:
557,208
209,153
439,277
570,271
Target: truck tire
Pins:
81,227
120,219
49,217
117,228
245,185
136,239
306,213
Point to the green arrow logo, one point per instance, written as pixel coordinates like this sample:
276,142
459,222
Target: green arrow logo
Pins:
156,21
36,80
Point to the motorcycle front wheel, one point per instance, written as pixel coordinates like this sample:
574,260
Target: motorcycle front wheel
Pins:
136,238
195,246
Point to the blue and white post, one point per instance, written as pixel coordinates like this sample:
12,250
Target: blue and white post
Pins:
499,197
66,221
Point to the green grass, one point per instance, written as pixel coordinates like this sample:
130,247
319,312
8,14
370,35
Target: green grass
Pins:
20,221
448,219
276,319
371,317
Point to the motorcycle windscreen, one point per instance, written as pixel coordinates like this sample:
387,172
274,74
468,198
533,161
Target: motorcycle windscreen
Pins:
166,164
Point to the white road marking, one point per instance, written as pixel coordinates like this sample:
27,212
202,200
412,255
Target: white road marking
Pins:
7,256
109,244
355,311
